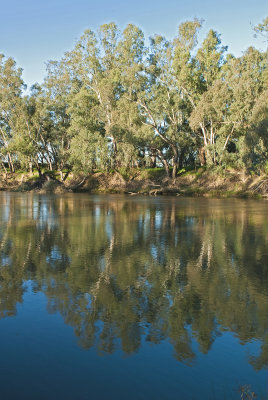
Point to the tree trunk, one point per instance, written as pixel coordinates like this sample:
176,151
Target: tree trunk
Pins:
31,167
163,161
209,156
48,161
175,161
10,163
181,159
4,167
166,166
202,156
115,152
38,168
153,161
66,175
174,171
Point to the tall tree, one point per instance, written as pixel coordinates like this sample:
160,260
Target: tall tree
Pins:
11,86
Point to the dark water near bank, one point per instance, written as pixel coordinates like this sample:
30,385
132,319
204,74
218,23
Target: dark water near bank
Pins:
110,297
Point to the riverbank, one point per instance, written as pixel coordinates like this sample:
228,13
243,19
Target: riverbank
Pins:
198,183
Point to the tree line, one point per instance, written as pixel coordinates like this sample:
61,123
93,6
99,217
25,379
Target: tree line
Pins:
114,102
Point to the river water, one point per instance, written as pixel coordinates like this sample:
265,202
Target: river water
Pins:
115,297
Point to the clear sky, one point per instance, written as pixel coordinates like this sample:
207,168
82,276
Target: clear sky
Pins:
35,31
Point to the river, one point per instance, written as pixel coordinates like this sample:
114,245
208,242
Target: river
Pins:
116,297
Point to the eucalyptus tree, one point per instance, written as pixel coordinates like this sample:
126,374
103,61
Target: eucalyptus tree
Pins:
185,65
111,102
259,121
162,107
247,80
224,111
131,138
11,86
59,86
31,133
199,77
262,28
88,146
102,70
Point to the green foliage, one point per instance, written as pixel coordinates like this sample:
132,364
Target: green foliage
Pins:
111,102
152,173
262,28
126,173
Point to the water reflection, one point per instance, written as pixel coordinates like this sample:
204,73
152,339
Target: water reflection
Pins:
120,270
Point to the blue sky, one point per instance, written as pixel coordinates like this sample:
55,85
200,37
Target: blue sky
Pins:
35,31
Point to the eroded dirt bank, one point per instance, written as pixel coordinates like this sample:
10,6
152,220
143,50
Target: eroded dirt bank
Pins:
147,182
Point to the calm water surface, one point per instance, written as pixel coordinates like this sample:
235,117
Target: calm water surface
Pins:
110,297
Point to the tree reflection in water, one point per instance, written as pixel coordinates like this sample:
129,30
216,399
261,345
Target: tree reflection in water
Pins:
120,269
